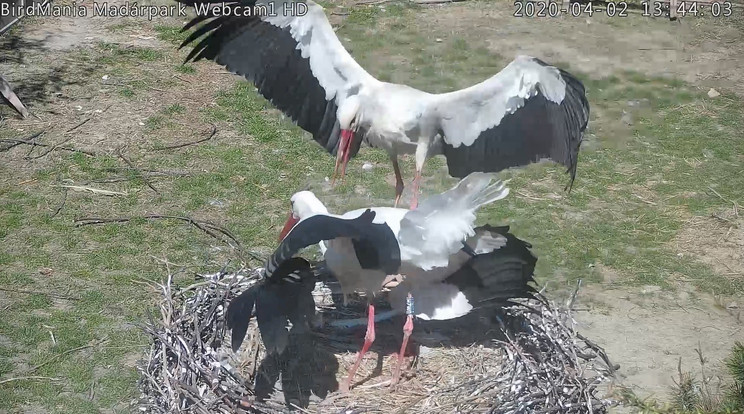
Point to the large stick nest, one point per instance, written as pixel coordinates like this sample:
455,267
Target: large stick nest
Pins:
522,358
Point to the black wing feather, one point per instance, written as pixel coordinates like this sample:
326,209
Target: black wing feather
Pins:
376,241
277,300
366,253
497,277
267,56
540,129
9,97
239,315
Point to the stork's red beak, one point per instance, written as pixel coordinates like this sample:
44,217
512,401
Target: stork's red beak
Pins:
346,135
342,154
291,221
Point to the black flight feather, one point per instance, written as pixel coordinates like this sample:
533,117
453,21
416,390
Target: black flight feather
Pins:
497,277
375,244
540,129
267,56
285,296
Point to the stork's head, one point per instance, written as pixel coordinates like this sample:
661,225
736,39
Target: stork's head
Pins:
304,205
348,114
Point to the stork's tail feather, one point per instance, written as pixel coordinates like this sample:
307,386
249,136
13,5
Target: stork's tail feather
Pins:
494,191
476,190
504,278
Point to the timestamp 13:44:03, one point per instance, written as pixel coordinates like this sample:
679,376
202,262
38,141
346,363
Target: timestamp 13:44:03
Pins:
549,8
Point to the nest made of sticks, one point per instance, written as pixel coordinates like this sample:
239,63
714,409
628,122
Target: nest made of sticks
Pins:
523,358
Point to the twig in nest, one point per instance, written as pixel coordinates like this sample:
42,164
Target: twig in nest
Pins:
372,2
120,152
38,144
79,125
435,1
61,205
51,148
724,219
736,205
181,79
210,136
85,121
601,352
211,229
644,200
575,293
149,174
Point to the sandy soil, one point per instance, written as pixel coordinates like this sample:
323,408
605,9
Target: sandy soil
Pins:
649,331
705,52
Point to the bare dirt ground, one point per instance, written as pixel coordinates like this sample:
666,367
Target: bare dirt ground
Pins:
644,329
705,52
651,332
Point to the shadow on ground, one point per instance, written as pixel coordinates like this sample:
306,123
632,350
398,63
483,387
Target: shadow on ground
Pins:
38,82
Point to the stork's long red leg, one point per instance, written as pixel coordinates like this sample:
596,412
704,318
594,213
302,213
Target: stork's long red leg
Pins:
398,180
369,337
407,330
416,187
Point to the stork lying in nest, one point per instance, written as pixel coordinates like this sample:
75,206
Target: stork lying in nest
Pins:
507,360
433,254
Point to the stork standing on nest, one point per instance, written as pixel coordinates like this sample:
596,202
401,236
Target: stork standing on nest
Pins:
287,281
435,241
527,112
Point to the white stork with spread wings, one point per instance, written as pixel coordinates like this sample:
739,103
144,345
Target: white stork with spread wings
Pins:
527,112
434,241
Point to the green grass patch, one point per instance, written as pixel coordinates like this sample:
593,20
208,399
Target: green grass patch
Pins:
174,109
186,69
140,53
126,92
171,34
